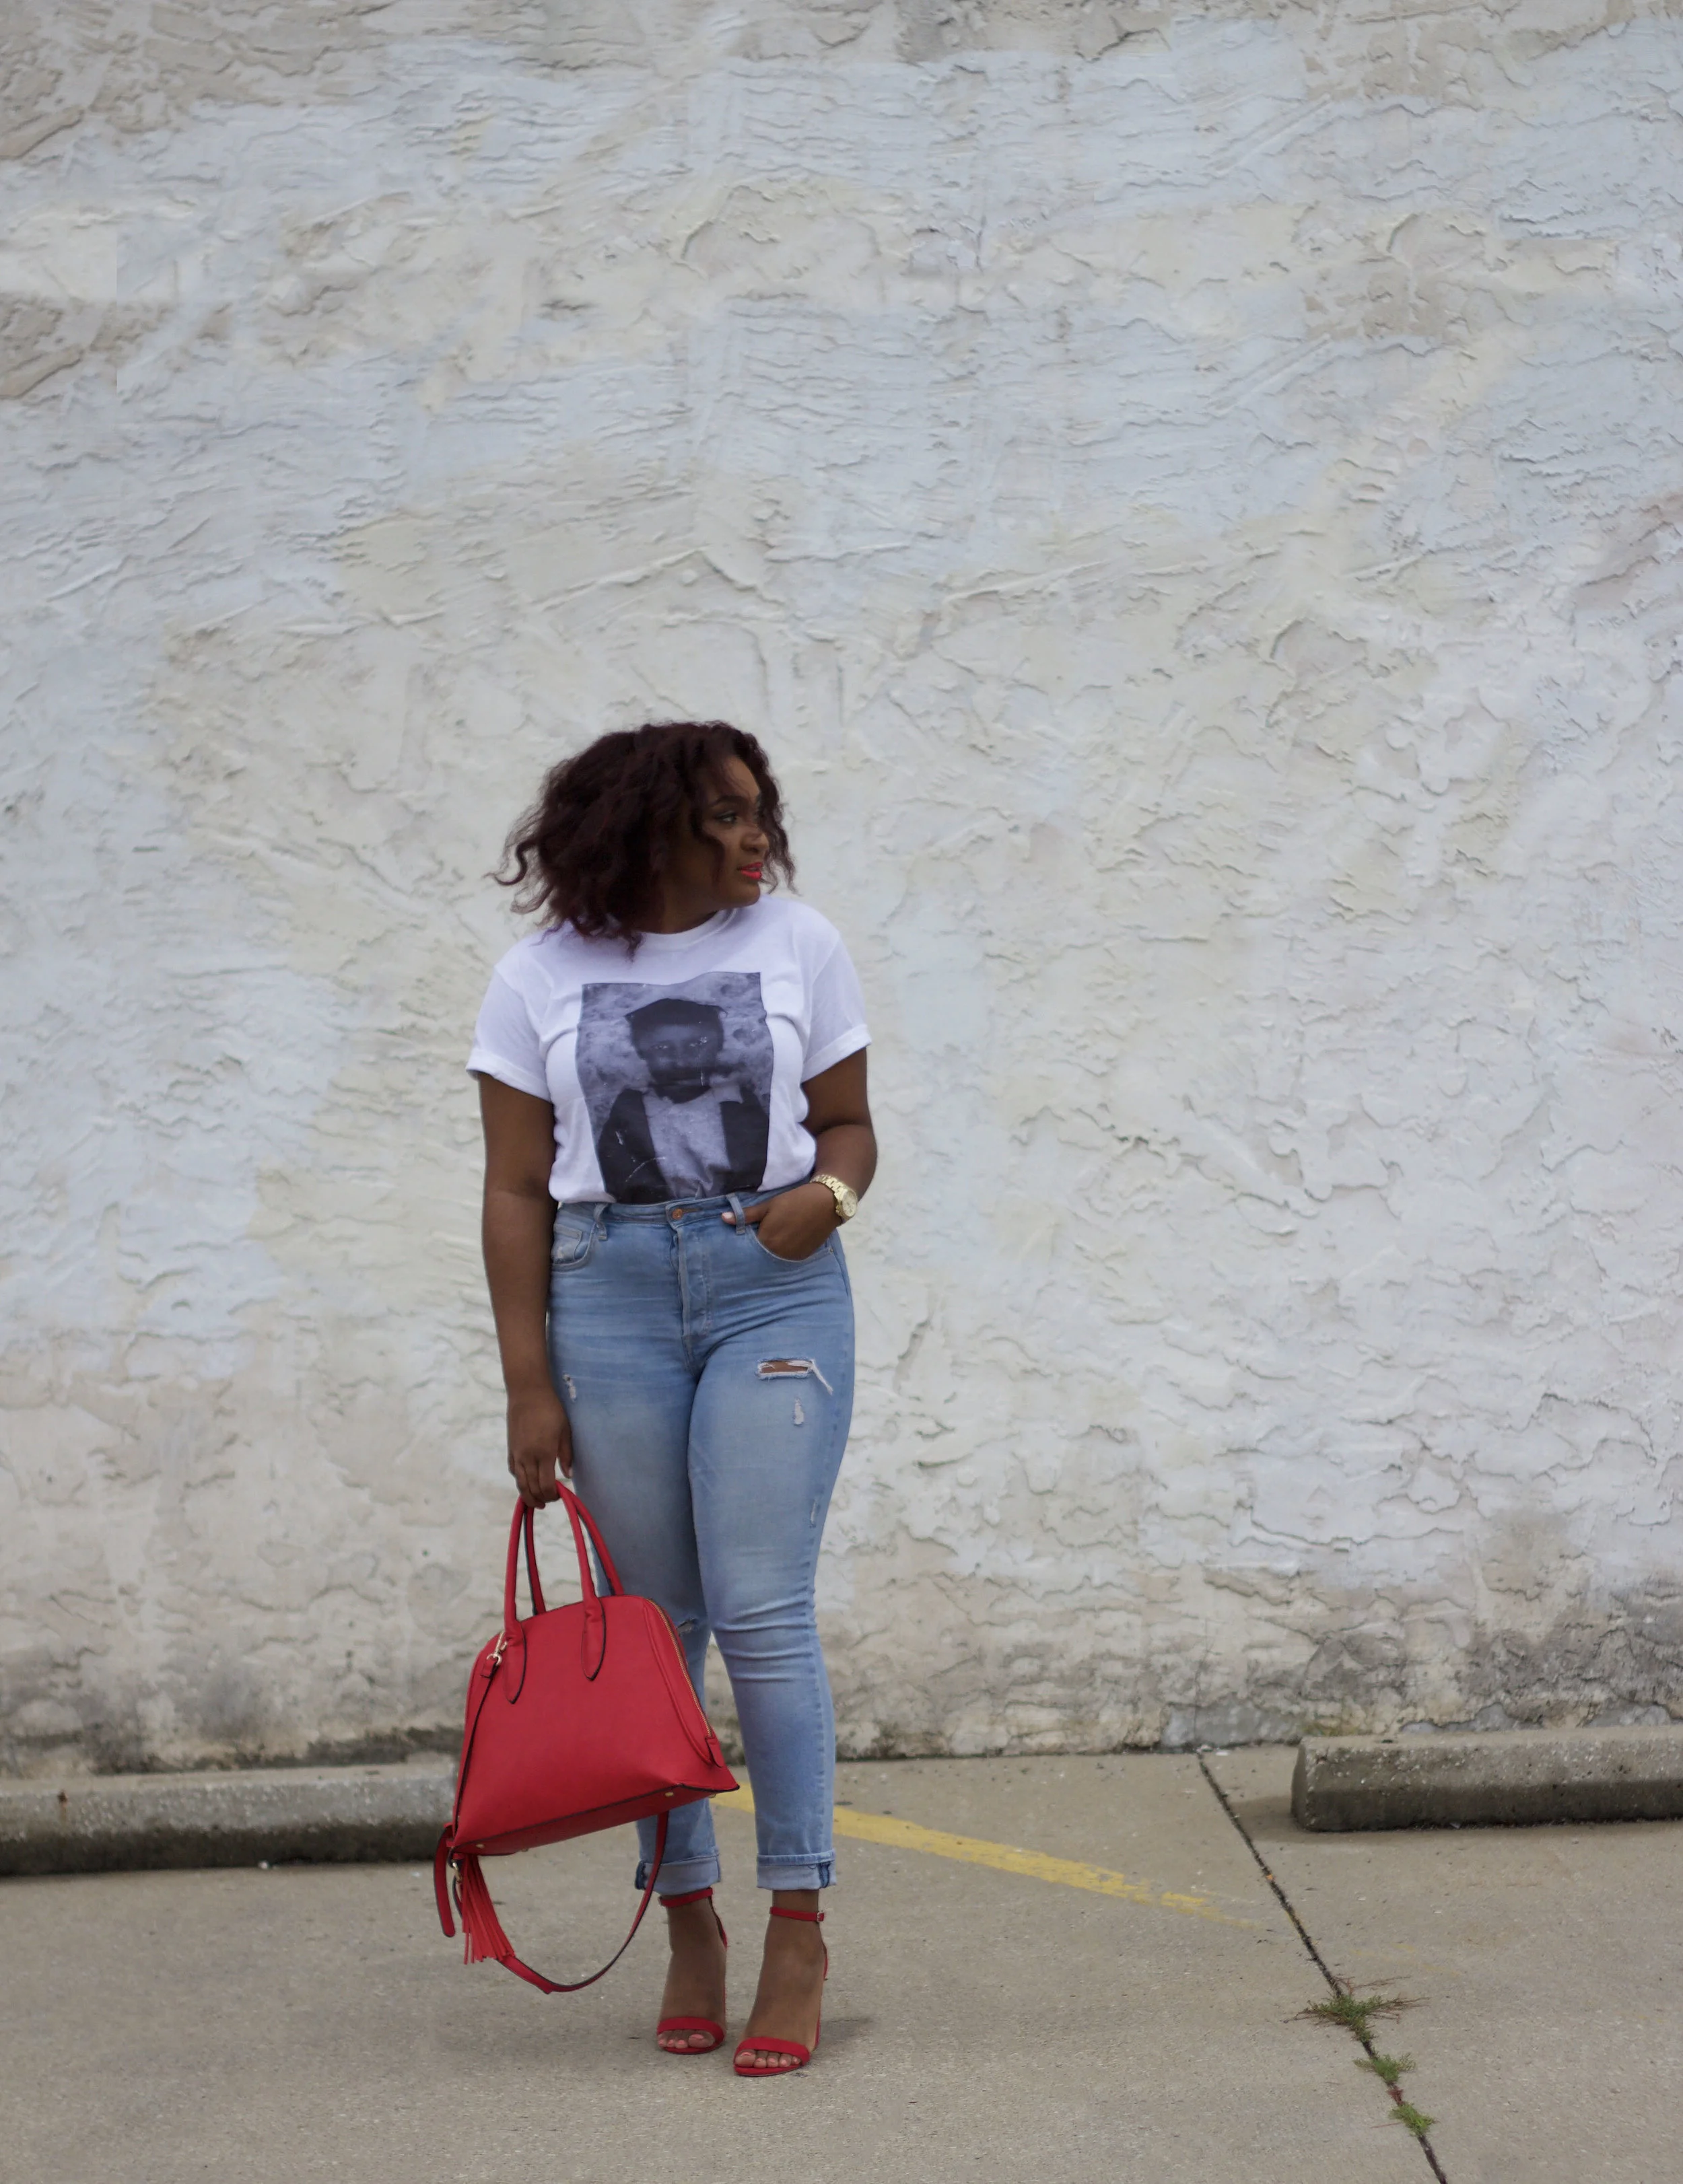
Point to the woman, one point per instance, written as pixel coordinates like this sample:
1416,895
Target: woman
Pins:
672,1081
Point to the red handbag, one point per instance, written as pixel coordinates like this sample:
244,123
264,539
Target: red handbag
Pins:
581,1718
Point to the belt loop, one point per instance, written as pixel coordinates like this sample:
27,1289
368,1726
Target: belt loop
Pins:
737,1212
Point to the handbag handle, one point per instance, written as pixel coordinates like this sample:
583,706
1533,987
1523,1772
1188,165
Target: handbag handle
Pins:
577,1512
595,1621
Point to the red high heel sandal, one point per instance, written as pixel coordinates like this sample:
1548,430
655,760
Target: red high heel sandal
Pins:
692,2024
802,2056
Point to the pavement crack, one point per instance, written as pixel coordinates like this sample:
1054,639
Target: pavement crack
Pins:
1337,1987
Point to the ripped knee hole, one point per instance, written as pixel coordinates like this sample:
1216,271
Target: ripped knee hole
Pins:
794,1368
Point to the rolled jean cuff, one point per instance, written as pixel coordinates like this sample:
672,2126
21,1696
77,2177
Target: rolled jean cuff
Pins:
798,1872
679,1875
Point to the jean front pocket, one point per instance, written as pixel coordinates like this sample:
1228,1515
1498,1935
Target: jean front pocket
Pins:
793,1266
570,1244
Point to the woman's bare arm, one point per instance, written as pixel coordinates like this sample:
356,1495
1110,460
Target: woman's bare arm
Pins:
839,1115
517,1228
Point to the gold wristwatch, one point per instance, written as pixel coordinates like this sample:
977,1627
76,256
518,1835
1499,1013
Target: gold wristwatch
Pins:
846,1197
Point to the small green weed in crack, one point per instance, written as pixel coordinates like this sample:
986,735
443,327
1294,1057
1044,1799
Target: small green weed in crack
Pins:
1355,2012
1358,2013
1389,2070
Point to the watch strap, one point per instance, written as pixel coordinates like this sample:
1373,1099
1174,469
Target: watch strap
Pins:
846,1198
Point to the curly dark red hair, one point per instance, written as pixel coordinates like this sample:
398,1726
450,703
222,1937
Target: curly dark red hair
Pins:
591,851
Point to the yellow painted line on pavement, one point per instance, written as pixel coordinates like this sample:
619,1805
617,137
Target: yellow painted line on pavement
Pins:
1005,1857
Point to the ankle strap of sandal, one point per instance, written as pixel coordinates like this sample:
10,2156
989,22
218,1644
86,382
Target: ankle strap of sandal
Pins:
695,1896
812,1917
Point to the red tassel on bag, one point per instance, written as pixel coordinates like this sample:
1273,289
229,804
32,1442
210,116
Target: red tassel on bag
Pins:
482,1935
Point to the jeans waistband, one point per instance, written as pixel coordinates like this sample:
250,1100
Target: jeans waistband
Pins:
608,1209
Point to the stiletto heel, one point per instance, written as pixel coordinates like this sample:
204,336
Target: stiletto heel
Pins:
802,2056
694,2023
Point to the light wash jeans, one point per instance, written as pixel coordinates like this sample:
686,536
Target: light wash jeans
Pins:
710,1385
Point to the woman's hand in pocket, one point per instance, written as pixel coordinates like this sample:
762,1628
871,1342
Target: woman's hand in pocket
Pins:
540,1442
795,1224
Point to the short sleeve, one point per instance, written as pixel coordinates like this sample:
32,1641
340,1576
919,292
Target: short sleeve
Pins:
505,1044
836,1015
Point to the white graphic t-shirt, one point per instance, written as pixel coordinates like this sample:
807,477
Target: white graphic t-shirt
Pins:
675,1073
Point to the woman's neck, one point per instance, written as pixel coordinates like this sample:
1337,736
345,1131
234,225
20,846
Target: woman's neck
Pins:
680,914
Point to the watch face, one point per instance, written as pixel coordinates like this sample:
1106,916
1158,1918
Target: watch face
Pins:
844,1195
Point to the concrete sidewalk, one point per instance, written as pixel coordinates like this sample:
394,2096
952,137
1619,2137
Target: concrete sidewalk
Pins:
1058,1969
1546,1964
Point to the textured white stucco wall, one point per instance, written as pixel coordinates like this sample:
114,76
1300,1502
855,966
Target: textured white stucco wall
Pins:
1192,496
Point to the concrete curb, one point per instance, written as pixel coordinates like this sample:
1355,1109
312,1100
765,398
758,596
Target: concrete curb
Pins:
102,1824
1513,1778
111,1823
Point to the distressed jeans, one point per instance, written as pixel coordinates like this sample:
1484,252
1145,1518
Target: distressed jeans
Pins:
709,1387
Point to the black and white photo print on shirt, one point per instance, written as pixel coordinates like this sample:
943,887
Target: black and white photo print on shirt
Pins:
678,1082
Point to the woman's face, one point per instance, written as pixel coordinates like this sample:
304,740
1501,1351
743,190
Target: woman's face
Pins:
698,874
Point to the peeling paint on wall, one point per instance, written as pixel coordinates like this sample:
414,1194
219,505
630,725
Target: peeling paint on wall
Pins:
1194,498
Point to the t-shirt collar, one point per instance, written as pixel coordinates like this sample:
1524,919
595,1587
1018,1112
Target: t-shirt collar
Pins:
672,944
